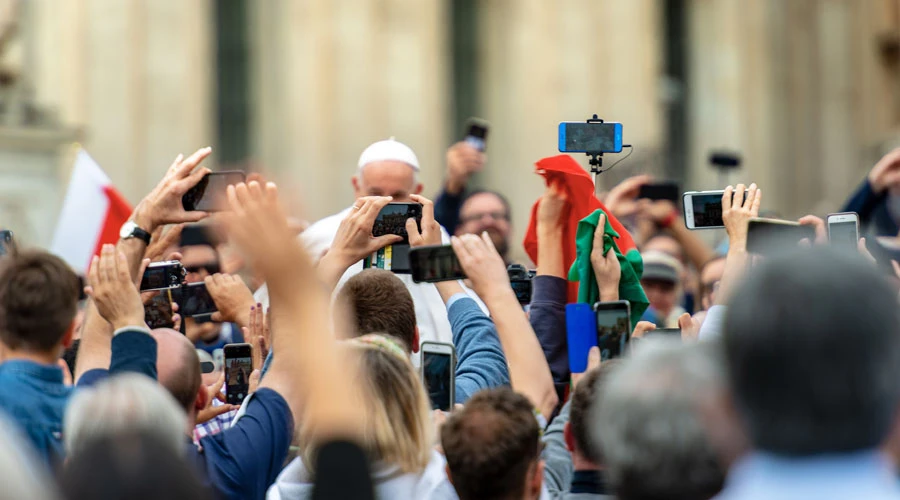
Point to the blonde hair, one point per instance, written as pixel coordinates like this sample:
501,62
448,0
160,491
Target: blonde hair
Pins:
398,429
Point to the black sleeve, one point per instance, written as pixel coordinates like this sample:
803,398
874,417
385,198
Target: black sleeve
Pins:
342,472
446,210
133,351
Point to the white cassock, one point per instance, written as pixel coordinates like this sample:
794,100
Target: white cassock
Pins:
431,314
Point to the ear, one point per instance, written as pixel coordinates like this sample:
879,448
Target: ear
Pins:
415,341
68,337
356,183
536,480
447,471
569,437
418,189
202,399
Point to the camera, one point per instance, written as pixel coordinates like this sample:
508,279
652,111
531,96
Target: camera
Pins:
522,282
163,275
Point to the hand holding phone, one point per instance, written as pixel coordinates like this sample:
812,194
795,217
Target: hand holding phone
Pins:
238,367
476,133
208,195
196,301
392,219
163,275
434,263
613,328
439,374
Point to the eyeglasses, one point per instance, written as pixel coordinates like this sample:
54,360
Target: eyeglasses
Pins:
209,267
493,215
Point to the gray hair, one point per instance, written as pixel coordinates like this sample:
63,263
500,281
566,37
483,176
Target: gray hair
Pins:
23,476
646,420
127,402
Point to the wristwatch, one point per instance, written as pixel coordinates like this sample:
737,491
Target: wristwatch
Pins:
131,230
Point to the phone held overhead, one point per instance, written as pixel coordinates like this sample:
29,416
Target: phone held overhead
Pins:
703,209
772,236
476,133
208,195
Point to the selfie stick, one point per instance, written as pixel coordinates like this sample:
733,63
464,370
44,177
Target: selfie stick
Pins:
596,161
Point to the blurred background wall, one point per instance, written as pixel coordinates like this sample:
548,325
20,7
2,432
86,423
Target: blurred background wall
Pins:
807,91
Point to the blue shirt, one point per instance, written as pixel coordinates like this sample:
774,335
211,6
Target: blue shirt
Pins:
242,461
865,474
481,363
35,396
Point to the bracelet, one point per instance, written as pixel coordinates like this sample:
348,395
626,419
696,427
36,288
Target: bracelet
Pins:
669,220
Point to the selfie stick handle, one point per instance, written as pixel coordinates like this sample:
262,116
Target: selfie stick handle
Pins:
596,161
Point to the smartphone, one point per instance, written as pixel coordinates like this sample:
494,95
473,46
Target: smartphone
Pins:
771,236
163,275
581,335
660,191
197,235
613,328
672,333
7,244
439,374
703,209
476,133
392,219
196,301
843,229
522,282
158,311
238,367
209,194
430,264
590,137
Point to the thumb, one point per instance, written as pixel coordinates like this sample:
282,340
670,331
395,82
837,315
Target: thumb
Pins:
383,241
215,411
217,317
684,321
216,388
593,358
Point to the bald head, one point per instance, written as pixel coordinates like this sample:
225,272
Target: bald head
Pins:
178,366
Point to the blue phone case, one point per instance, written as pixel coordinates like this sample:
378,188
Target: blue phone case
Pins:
562,139
581,333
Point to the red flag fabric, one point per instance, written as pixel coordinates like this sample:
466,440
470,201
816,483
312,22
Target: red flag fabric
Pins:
568,173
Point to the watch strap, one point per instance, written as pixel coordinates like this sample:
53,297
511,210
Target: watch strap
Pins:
137,232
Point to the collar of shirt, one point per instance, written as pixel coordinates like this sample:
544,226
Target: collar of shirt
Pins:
48,373
588,481
865,472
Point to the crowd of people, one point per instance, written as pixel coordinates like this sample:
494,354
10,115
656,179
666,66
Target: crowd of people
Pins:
784,382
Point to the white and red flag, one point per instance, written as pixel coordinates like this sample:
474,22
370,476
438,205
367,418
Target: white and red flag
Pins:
92,213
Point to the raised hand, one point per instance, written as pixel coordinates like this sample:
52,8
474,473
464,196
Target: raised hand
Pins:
257,335
552,209
354,239
232,297
112,290
819,225
482,264
737,212
886,173
622,199
431,230
214,391
462,161
606,266
163,204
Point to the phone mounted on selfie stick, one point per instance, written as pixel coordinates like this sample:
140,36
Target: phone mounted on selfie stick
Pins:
596,157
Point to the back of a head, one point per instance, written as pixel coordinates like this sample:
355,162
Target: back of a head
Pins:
397,431
648,421
136,465
38,300
491,444
178,367
380,303
123,403
582,402
812,343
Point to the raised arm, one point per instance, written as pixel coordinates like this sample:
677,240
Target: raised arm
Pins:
308,370
528,369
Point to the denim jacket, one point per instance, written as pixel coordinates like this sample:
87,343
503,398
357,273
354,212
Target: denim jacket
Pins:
34,395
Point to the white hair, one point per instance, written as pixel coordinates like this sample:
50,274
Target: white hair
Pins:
21,473
127,402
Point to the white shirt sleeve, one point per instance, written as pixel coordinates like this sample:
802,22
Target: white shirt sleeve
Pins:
713,324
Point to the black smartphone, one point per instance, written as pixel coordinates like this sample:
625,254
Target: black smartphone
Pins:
476,133
770,236
209,194
430,264
163,275
522,282
439,374
392,219
660,191
7,244
196,301
238,367
613,328
158,311
672,333
197,234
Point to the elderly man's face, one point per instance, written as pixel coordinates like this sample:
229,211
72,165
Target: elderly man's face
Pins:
386,178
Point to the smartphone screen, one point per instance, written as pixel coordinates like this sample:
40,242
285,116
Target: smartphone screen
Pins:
476,134
768,237
431,264
523,289
209,194
583,137
844,234
613,328
7,246
706,207
158,311
392,219
437,372
238,367
672,333
196,301
662,191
